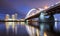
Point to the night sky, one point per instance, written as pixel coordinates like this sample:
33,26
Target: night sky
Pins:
21,7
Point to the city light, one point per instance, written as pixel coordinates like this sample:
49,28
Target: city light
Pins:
46,7
55,24
10,24
45,34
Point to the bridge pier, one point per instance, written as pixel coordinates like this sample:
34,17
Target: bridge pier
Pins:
43,20
41,23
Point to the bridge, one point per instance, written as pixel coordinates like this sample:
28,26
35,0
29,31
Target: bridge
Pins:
41,15
54,9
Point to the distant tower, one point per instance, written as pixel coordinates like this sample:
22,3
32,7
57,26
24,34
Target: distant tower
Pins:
16,15
13,17
7,17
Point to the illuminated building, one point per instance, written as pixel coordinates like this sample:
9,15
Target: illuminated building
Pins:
16,15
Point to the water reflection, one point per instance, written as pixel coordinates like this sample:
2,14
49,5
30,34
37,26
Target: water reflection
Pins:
7,30
17,29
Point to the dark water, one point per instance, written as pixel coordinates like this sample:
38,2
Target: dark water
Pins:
21,31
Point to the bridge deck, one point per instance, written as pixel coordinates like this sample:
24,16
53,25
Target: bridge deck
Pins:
51,10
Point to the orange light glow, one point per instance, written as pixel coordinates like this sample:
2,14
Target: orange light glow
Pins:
45,34
45,7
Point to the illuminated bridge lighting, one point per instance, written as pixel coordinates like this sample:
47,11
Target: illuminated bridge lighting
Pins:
45,34
46,7
58,2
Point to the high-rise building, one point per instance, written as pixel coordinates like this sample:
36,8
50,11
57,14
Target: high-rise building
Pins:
16,15
7,17
13,17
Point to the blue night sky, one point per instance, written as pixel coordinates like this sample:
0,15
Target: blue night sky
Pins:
21,7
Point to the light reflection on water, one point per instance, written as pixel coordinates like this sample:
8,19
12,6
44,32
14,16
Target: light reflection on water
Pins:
12,30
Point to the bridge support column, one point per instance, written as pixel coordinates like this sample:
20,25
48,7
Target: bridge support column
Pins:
41,23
